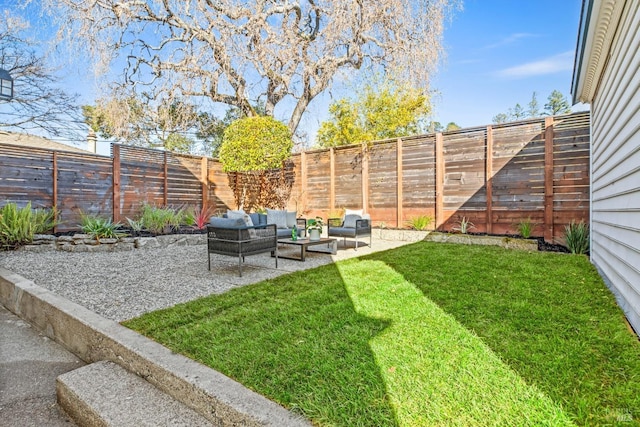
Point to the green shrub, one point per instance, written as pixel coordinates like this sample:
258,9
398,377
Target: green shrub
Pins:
100,228
135,225
576,236
420,222
525,228
161,220
18,225
464,225
255,144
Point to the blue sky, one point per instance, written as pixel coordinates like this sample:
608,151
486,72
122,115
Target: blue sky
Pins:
499,52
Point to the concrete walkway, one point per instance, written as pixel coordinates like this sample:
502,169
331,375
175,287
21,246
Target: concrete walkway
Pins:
29,365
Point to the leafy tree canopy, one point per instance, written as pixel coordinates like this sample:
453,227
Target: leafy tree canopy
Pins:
386,111
255,144
452,126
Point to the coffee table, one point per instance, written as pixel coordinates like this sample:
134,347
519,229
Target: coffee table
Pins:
304,244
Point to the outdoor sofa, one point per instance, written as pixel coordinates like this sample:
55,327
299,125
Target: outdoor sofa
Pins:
284,220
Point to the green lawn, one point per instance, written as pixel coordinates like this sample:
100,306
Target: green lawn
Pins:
427,334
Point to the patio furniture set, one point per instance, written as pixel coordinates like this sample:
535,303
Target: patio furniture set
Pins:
240,234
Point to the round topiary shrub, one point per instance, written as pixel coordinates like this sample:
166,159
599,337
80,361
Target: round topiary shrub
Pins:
255,144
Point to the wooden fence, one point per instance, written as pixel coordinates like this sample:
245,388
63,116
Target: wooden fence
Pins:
495,176
94,184
537,169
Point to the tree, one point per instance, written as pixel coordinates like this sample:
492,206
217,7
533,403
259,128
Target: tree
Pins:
236,52
534,107
433,127
557,104
37,102
500,118
254,153
388,111
133,120
517,112
255,144
451,126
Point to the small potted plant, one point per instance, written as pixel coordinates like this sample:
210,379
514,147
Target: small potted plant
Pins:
314,228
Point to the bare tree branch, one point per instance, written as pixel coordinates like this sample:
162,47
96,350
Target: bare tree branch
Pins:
236,52
37,102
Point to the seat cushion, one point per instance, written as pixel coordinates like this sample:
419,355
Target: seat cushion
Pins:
284,232
342,232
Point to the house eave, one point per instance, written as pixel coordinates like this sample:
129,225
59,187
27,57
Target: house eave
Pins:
598,24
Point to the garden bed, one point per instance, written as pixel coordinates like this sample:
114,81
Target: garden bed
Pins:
505,241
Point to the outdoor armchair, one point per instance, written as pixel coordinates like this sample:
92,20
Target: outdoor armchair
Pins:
351,226
229,237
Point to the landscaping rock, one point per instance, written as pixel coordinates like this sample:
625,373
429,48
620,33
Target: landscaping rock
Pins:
470,239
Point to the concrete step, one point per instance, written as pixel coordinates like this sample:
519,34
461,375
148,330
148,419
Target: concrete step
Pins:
105,394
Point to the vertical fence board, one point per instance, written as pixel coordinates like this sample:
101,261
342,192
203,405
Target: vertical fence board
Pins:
116,183
399,180
488,176
548,179
439,182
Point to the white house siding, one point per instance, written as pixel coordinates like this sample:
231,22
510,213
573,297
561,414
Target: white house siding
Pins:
615,167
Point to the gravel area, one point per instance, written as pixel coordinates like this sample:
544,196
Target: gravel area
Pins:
123,285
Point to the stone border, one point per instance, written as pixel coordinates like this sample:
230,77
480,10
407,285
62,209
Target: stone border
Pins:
465,239
86,243
93,338
470,239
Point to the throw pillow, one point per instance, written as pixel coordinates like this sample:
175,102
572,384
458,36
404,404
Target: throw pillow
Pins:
255,218
235,214
350,220
352,212
291,219
249,223
277,217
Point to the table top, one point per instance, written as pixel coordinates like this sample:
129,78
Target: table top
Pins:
305,241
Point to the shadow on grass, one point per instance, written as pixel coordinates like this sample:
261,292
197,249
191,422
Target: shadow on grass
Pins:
436,371
295,339
548,316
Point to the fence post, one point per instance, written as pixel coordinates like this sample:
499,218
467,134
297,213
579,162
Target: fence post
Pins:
165,195
54,190
303,181
204,178
332,178
489,179
399,178
439,181
365,178
548,179
115,149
